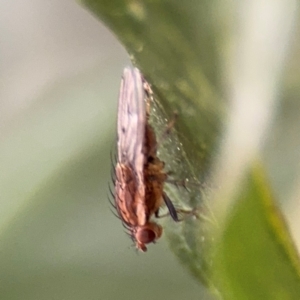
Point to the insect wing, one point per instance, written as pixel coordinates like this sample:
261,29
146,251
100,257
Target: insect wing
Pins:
131,120
129,184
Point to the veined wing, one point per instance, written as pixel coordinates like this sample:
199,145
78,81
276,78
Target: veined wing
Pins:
131,119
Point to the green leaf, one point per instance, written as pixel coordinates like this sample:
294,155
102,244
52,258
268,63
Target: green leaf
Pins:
164,41
167,41
256,258
180,48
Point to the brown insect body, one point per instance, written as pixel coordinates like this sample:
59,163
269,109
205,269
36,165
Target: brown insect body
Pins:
139,173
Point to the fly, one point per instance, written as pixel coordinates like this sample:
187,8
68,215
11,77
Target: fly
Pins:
139,173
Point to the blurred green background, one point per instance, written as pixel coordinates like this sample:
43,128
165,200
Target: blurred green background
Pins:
60,76
60,72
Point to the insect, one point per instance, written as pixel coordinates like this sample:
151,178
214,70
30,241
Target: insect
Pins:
139,173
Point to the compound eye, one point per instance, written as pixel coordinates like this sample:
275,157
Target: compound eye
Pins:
146,236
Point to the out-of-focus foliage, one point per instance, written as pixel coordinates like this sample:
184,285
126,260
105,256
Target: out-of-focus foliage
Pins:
58,237
255,254
181,48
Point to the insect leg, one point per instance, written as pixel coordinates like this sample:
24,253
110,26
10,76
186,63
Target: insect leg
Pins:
171,207
173,211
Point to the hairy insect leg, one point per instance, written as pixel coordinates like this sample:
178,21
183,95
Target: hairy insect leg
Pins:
158,216
173,211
